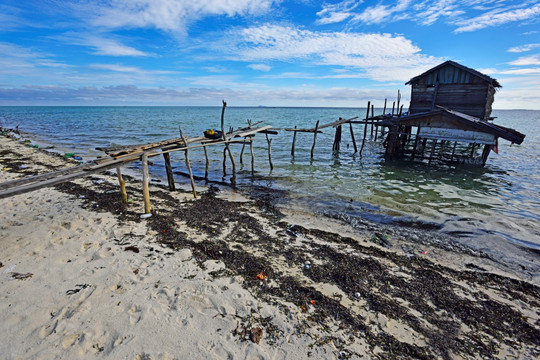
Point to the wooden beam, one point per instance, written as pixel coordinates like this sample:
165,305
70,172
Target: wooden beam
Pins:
168,169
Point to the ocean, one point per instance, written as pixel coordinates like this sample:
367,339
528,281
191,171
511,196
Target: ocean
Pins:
489,207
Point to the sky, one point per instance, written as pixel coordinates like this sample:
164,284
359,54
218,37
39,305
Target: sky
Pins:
259,52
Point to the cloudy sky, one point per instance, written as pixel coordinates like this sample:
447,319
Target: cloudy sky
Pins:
258,52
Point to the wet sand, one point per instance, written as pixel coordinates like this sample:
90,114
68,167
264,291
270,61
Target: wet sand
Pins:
83,275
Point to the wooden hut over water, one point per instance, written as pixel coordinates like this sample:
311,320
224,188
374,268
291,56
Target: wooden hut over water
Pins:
448,118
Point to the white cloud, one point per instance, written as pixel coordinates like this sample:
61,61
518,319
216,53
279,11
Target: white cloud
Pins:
169,15
129,69
260,67
497,17
523,48
102,44
528,71
335,13
380,56
381,13
526,61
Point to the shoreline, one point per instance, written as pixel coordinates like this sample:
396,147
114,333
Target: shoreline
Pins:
219,270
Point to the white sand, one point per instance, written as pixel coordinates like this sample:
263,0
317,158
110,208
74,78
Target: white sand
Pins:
70,290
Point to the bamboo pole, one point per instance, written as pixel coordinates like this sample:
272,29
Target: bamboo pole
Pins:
146,184
293,141
188,165
365,128
314,138
168,169
269,151
122,185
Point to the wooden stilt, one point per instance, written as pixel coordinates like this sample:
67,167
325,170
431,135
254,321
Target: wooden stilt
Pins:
472,151
372,121
453,151
146,184
122,185
432,151
242,153
315,138
188,165
168,169
207,163
252,157
365,128
485,154
227,147
337,139
224,161
353,139
293,142
393,106
269,141
384,109
415,143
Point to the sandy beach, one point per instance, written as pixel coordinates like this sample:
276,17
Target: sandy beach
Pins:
233,276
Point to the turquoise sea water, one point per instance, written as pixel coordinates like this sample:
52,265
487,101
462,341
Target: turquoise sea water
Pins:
499,203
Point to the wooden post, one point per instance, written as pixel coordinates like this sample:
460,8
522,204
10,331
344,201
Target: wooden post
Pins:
393,106
432,152
472,151
372,121
315,138
453,151
293,142
398,99
224,161
337,138
146,184
122,185
384,109
485,154
168,169
252,157
226,143
188,165
242,152
207,163
365,128
269,151
415,143
352,136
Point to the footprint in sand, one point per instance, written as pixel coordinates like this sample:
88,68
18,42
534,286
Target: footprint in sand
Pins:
135,315
69,340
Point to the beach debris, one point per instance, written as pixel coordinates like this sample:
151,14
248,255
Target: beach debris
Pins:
22,166
256,334
79,288
307,266
69,155
424,252
290,231
1,265
261,276
146,216
357,294
98,181
380,240
9,269
408,250
133,248
20,276
312,302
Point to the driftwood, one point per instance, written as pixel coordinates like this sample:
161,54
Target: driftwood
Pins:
269,141
122,185
188,165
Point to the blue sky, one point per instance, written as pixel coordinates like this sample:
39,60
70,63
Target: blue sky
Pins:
259,52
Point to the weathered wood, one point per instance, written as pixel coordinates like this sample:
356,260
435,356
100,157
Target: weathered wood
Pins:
226,143
352,137
485,153
146,184
168,170
415,143
188,165
293,142
372,115
337,139
207,163
365,128
122,185
432,151
242,153
453,151
314,138
252,157
269,141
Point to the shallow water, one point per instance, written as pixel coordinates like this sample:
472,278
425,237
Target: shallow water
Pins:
498,204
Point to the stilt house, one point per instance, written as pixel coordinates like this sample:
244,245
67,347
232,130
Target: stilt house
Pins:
448,118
